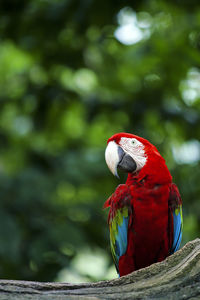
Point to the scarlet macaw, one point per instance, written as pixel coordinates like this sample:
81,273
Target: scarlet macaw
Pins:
145,217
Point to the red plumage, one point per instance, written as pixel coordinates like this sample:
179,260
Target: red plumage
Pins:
151,198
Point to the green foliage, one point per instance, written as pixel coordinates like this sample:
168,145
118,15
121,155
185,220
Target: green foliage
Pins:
67,83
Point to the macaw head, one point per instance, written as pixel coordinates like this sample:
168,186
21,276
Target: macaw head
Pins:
128,152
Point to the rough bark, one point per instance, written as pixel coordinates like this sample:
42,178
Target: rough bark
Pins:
178,277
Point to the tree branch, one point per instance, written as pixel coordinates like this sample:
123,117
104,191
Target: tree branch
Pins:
177,277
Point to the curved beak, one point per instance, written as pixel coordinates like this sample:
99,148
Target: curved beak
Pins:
116,157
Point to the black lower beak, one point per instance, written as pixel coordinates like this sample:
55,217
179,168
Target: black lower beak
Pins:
126,163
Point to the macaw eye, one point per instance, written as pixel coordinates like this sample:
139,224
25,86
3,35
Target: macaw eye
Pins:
133,141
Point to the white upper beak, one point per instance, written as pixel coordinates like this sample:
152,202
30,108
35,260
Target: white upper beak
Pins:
112,157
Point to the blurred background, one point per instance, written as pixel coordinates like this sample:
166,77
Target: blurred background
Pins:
73,73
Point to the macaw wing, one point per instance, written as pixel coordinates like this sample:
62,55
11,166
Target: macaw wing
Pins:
175,206
118,234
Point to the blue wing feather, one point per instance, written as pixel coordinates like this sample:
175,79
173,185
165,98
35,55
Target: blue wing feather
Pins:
177,229
175,205
119,235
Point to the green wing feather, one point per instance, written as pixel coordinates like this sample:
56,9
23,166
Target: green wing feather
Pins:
118,234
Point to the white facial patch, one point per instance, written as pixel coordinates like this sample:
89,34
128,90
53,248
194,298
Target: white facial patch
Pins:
135,149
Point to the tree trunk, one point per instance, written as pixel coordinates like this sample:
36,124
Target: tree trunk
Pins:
177,277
